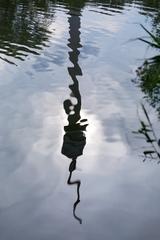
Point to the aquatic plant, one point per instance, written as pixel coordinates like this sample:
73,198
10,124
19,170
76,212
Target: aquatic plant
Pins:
148,75
148,133
154,39
148,79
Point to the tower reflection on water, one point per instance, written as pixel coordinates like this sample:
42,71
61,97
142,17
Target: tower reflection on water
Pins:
74,138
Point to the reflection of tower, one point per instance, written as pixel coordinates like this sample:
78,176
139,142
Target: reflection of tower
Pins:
74,139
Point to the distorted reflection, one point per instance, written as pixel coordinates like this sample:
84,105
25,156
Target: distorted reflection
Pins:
74,139
23,28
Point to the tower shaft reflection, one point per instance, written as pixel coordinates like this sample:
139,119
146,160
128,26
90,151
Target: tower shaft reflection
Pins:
74,139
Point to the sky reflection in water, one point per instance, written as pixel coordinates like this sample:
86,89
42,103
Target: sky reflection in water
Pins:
119,193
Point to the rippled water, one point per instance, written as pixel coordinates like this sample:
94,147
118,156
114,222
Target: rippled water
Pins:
71,166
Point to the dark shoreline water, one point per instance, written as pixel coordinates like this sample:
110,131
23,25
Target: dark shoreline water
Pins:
69,109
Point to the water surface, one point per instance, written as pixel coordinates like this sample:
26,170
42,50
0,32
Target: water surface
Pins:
70,165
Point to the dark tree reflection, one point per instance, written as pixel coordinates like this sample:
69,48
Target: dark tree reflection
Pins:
24,23
74,139
23,28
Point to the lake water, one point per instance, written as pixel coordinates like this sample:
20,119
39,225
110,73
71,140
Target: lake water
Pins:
71,166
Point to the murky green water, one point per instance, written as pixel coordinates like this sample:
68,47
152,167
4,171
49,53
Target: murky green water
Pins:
71,166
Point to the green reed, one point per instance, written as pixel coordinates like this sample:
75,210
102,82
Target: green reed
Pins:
154,39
